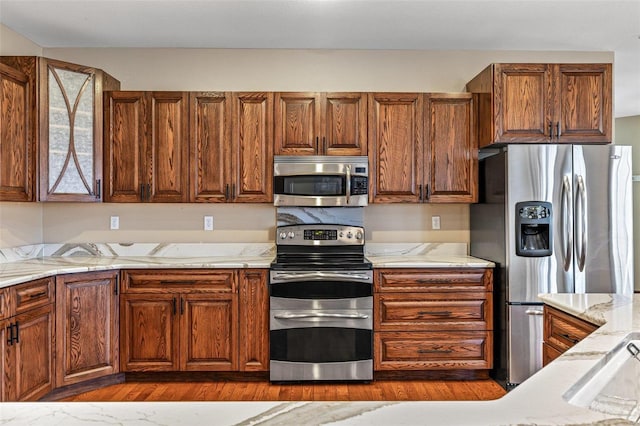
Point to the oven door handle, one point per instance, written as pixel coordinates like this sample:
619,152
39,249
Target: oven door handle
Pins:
296,276
319,315
348,185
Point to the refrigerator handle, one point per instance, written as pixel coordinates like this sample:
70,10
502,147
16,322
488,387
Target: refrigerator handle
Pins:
535,312
566,220
581,223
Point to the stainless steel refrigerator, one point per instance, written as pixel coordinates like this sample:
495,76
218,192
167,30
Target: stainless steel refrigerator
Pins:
554,219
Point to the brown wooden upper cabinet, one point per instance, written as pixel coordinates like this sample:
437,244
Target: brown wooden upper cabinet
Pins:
541,103
314,123
17,148
231,137
67,122
189,147
146,147
422,148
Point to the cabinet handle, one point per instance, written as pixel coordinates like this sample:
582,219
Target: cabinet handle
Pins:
317,144
420,193
428,193
226,191
98,188
148,192
181,306
434,351
38,294
558,133
550,130
9,334
324,144
439,313
174,306
17,336
570,338
142,192
233,191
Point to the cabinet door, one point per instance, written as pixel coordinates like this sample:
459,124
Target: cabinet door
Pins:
583,102
168,147
32,354
395,147
6,361
70,135
16,137
345,124
252,148
297,123
209,332
451,154
125,147
522,102
149,332
254,320
210,139
87,326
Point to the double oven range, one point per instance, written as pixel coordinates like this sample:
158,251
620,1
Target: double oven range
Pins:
321,305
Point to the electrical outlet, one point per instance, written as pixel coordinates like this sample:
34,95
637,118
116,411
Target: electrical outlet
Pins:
115,222
435,222
208,223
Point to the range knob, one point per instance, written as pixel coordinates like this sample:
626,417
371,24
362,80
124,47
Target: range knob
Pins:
283,235
358,235
349,234
291,235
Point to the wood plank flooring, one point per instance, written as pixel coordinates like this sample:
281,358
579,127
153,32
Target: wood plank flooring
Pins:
380,390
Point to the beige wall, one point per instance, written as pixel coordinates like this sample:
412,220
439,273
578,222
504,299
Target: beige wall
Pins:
12,43
628,133
272,70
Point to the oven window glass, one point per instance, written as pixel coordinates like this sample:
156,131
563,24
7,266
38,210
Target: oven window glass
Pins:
310,185
320,344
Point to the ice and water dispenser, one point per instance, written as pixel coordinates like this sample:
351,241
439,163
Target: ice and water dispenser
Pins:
533,229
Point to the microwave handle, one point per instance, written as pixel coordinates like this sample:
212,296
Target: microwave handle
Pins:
348,187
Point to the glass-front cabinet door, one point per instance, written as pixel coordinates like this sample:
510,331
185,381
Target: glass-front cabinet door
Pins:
71,131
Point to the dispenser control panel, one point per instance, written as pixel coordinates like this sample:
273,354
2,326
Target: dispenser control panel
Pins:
534,229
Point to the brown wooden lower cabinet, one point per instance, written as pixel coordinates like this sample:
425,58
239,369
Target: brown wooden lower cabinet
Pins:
561,332
254,320
432,350
86,326
26,339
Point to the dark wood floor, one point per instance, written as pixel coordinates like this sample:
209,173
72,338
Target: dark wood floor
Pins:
380,390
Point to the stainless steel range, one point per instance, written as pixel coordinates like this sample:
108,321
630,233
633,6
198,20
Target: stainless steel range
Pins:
321,305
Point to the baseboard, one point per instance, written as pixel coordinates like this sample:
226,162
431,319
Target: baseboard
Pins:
78,388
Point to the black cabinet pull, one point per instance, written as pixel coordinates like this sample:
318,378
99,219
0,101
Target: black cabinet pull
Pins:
98,188
142,192
226,191
434,351
428,193
438,313
570,338
38,294
324,144
17,336
181,306
558,133
550,130
317,143
9,334
174,306
420,193
233,191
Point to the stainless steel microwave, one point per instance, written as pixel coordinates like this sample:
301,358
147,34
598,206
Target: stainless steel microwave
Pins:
320,181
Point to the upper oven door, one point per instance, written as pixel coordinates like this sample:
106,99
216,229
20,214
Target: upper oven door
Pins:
320,181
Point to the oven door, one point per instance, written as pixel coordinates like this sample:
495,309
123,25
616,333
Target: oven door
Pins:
321,329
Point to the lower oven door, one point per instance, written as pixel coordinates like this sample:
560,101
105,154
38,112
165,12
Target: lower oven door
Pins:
321,339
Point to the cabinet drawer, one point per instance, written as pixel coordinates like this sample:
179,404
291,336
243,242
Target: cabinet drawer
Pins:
439,280
433,311
184,280
432,350
562,330
33,294
549,353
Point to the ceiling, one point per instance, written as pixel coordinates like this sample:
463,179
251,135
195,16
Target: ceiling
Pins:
587,25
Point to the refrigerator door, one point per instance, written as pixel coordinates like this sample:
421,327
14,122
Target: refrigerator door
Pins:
603,208
540,173
524,342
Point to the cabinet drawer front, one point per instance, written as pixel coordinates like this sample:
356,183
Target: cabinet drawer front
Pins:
184,280
549,353
426,312
432,351
5,305
33,294
433,280
562,331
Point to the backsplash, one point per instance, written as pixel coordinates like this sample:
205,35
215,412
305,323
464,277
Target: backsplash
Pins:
353,216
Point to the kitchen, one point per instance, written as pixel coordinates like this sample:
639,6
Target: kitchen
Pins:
433,71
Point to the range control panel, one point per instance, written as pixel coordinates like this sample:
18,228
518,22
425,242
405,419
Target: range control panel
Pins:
320,234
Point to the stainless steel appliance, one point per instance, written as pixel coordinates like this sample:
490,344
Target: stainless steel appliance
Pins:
321,305
555,219
320,181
